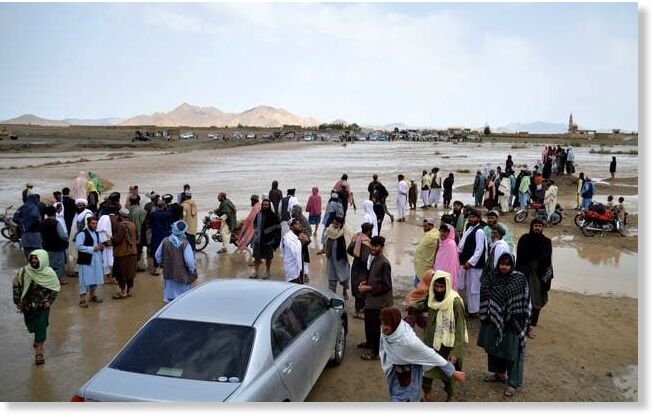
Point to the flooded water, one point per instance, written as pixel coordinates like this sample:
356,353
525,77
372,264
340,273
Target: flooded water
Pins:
80,342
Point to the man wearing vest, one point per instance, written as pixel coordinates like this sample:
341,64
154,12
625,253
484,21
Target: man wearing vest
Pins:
436,187
472,258
125,242
89,259
55,242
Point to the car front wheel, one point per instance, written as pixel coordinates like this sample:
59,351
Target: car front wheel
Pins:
339,347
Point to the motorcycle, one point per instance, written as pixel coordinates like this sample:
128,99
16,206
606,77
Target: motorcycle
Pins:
580,218
539,212
595,222
10,231
210,223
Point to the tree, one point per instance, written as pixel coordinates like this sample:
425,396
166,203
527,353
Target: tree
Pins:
487,130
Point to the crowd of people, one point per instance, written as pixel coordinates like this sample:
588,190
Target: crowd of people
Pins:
467,265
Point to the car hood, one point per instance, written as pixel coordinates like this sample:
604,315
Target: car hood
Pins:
111,385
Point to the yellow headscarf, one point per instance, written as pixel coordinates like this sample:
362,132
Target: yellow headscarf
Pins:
44,276
445,331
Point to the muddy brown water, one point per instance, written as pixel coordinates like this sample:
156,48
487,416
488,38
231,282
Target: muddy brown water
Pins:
80,342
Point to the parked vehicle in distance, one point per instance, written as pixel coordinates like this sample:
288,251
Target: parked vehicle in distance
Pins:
214,135
307,137
251,135
186,135
237,135
235,340
140,136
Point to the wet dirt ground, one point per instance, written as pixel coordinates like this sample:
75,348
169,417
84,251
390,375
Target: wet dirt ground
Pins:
585,339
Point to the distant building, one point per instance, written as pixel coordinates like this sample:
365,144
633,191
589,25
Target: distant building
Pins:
572,126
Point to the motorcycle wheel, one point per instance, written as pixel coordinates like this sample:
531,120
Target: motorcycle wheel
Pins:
201,241
580,220
589,232
6,232
520,217
556,218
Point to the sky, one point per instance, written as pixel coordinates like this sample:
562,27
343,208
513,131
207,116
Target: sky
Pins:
426,64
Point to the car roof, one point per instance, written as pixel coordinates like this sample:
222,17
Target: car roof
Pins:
231,301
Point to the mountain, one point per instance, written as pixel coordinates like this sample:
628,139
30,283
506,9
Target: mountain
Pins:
29,119
189,115
534,127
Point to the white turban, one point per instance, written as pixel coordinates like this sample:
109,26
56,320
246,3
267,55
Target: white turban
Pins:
81,202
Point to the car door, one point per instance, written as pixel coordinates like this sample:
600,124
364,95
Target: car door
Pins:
313,310
293,352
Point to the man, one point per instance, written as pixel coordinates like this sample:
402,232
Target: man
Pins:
190,216
504,193
185,189
612,167
550,200
423,257
227,212
479,188
291,247
534,260
373,187
137,216
587,192
458,218
69,208
160,222
342,187
472,256
492,218
78,224
29,186
133,191
267,237
446,329
378,290
436,187
275,195
247,226
448,185
580,184
425,181
404,357
55,242
570,162
178,260
287,204
359,249
28,219
496,247
338,266
107,225
413,194
402,198
125,242
505,315
89,260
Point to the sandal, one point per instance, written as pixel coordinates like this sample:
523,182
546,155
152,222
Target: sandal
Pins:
119,296
96,299
369,356
83,304
493,378
510,392
39,359
253,276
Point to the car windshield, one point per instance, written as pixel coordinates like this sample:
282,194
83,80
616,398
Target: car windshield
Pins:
188,350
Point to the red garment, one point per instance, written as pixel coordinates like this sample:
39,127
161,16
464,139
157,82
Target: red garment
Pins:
314,204
247,227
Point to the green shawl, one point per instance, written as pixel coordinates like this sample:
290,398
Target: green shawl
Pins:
44,276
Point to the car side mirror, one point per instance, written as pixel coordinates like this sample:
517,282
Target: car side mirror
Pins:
337,304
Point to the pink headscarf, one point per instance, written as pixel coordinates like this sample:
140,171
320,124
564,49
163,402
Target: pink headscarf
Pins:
447,257
314,205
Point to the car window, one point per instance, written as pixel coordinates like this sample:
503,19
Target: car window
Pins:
188,350
308,306
285,327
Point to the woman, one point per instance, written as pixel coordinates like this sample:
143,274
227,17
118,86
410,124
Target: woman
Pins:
534,260
369,216
267,237
359,248
403,356
505,311
338,266
550,199
176,256
415,295
247,226
447,256
314,207
35,289
448,184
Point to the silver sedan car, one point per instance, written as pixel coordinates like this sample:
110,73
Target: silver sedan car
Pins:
228,340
